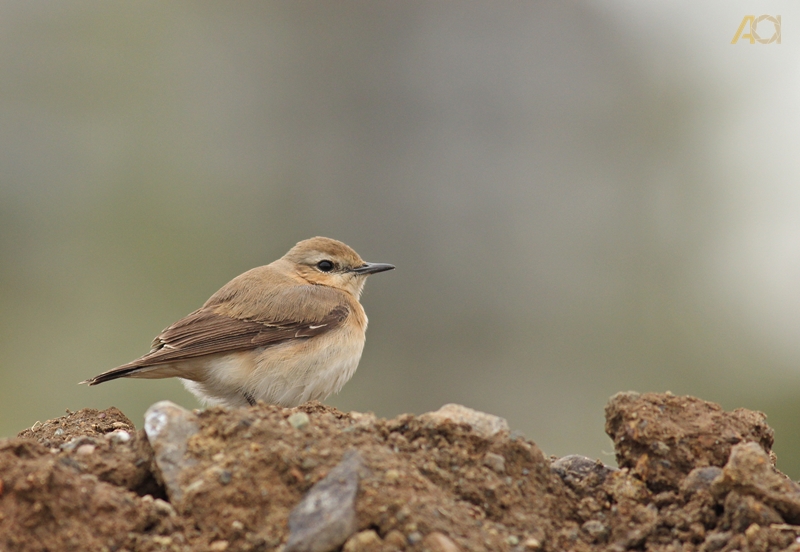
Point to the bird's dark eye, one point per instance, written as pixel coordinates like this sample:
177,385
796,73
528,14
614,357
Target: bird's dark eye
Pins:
325,266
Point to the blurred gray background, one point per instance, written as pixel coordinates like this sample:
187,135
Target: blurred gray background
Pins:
580,197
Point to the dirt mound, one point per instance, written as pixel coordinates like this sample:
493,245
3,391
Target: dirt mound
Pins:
692,477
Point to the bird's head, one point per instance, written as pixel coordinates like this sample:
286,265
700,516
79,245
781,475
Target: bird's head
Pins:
328,262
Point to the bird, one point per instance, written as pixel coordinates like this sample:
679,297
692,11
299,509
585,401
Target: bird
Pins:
284,333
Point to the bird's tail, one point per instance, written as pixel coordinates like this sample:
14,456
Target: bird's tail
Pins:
130,371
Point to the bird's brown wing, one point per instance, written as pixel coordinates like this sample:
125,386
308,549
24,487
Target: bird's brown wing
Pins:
211,330
205,332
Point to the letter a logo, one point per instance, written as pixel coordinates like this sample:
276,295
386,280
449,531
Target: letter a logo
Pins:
747,19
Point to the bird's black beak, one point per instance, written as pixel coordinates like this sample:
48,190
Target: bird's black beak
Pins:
372,268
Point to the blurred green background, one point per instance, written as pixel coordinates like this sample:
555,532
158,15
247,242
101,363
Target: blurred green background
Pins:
580,197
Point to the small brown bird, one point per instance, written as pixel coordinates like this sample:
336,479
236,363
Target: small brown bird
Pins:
284,333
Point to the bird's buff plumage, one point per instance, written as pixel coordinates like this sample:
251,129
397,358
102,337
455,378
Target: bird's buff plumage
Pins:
284,333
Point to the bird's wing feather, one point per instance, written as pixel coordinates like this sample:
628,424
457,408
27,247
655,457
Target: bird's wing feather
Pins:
297,312
205,332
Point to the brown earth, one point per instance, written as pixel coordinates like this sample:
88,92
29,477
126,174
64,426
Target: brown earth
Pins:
692,477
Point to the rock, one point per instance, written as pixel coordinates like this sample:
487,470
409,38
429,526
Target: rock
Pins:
168,428
163,508
395,540
118,436
439,542
299,420
391,476
326,516
622,487
663,437
365,541
595,529
532,544
486,425
85,449
495,462
581,471
749,472
699,479
163,542
225,477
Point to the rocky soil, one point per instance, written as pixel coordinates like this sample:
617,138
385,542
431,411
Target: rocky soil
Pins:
692,477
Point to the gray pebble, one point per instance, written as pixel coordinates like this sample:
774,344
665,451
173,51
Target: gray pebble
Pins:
168,428
326,516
